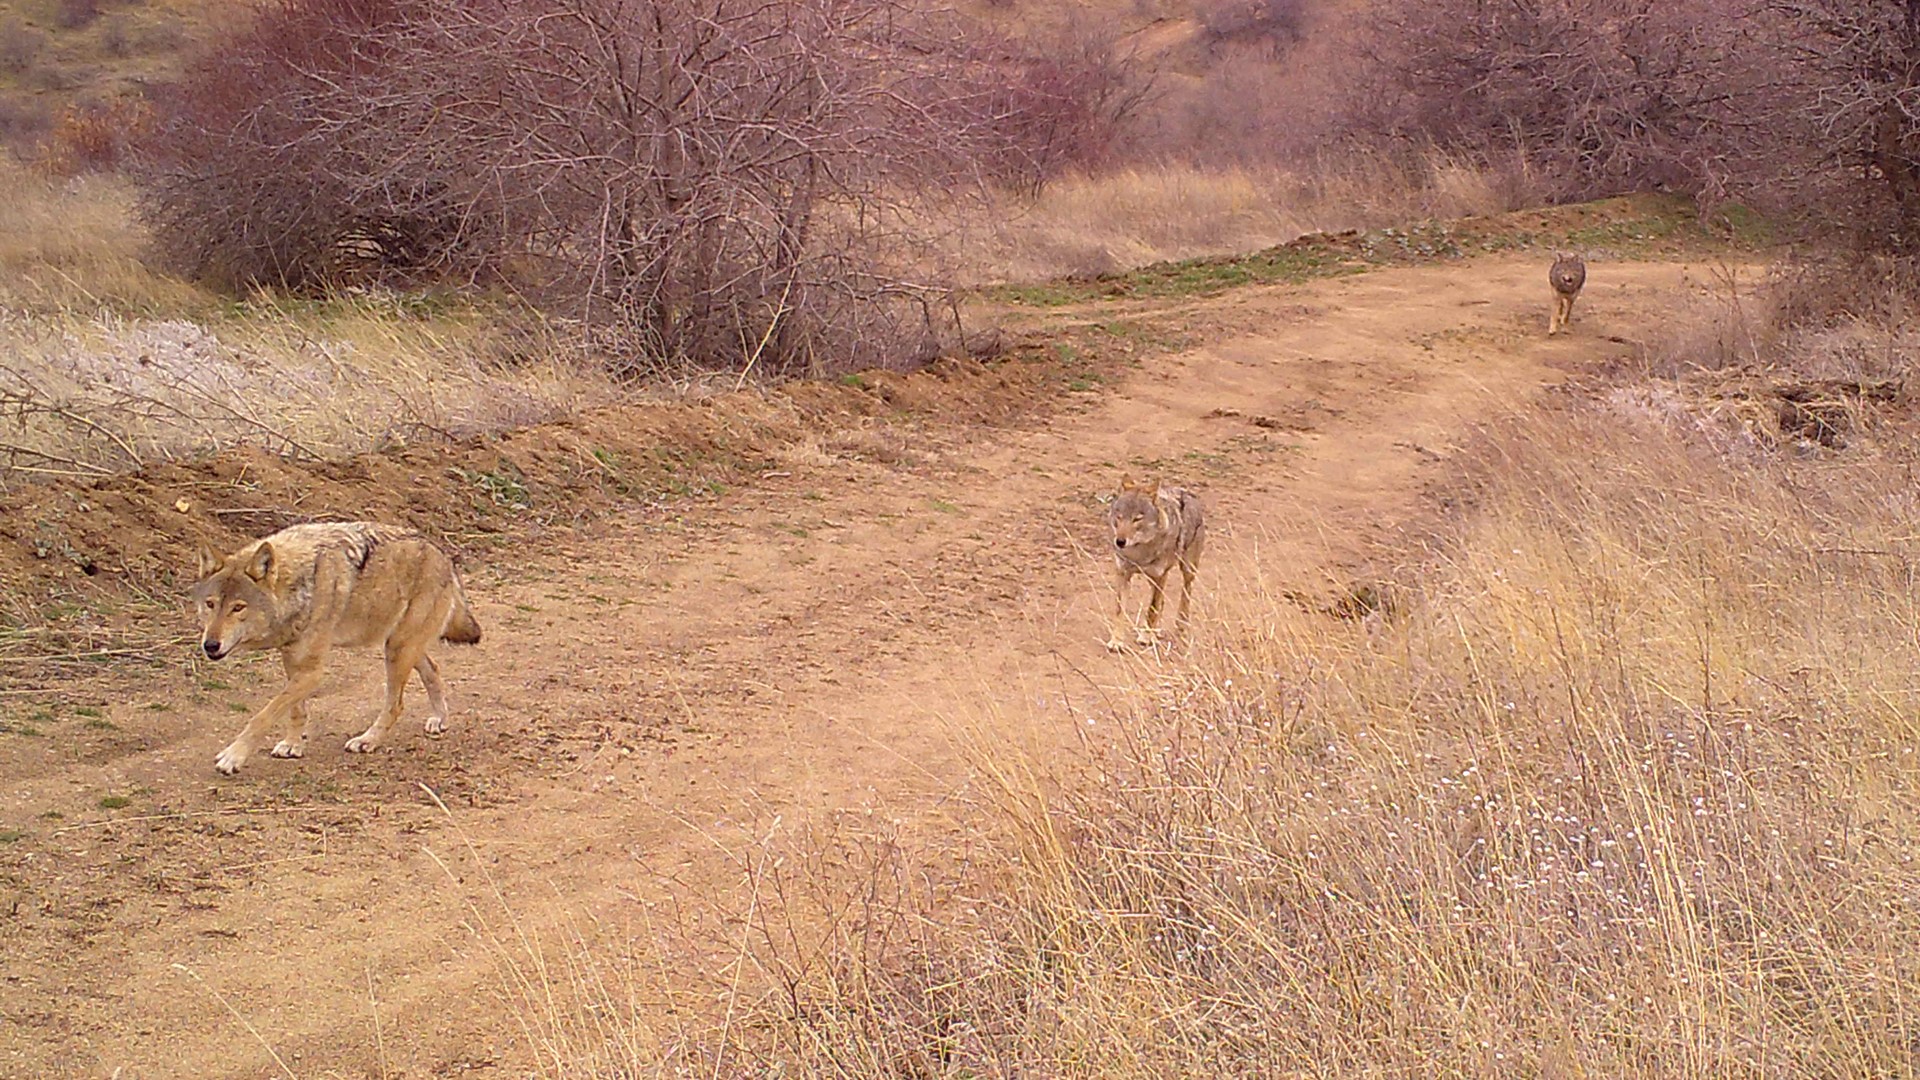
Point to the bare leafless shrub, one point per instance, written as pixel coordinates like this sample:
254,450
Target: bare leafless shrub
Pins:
1817,289
116,38
75,14
23,120
20,45
1039,108
1249,110
1270,26
1602,96
1809,109
715,180
1851,136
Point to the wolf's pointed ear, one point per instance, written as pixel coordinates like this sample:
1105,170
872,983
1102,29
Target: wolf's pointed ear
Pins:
261,564
1153,487
210,560
1126,481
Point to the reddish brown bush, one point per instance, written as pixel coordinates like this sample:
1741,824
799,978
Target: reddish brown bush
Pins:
1039,108
20,46
94,137
1269,25
1603,96
1847,149
1810,108
718,180
23,121
74,14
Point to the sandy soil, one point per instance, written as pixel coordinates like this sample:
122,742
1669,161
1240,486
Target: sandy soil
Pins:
658,689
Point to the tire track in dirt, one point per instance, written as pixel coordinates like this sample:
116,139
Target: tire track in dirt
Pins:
661,685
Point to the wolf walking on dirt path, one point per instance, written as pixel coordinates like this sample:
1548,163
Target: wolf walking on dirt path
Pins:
308,588
1567,275
1154,529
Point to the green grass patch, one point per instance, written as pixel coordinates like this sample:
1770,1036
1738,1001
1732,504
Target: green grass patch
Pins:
504,486
1631,225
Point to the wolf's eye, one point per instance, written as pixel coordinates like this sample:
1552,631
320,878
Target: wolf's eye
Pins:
238,607
210,603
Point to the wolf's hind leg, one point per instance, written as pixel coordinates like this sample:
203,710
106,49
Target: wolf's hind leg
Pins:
436,694
1187,572
404,654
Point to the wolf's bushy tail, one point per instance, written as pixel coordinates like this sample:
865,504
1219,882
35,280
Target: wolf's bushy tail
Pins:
462,627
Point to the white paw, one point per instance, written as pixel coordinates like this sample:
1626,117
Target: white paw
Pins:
364,743
289,748
1114,644
231,759
436,724
1144,636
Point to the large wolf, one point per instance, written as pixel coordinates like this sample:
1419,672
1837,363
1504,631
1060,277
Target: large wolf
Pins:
1154,529
308,588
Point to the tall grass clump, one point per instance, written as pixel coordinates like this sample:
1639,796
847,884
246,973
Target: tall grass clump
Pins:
1624,784
1121,218
1622,780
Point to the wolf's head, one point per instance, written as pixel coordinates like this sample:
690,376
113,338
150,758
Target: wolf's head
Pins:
236,604
1567,269
1135,516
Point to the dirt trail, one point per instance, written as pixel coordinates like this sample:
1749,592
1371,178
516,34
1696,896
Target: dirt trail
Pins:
656,689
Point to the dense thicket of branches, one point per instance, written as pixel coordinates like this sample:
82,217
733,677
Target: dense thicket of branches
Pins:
1603,94
1811,107
1852,135
721,180
730,180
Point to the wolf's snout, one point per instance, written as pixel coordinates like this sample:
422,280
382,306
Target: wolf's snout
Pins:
213,649
1119,541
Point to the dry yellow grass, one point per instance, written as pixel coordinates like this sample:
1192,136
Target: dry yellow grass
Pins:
1628,787
74,246
1625,782
111,364
107,364
1090,225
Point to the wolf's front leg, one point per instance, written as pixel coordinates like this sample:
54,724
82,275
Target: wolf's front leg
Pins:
303,678
1145,635
1115,642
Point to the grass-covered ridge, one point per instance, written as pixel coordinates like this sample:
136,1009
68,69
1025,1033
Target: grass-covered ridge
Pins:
1628,226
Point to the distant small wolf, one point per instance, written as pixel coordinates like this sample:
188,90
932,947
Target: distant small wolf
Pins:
1154,529
308,588
1567,274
